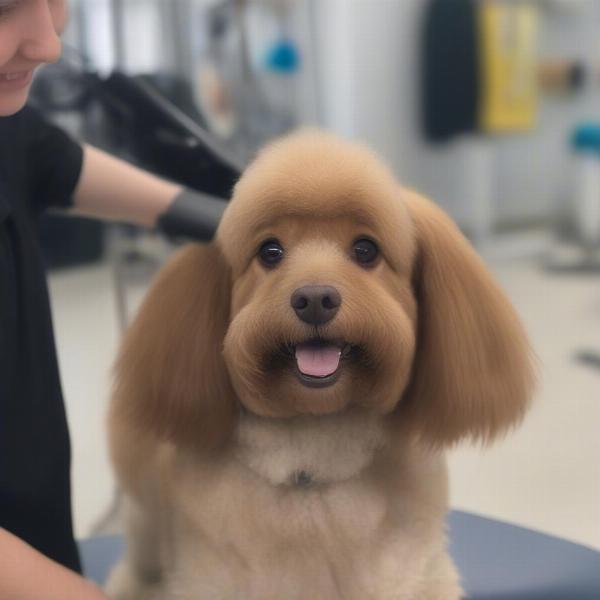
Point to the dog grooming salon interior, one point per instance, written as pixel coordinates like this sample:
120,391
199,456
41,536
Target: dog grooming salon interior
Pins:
491,108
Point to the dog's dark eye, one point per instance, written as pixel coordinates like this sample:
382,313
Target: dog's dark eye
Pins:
270,253
365,251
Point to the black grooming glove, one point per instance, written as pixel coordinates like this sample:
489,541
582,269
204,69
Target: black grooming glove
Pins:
192,215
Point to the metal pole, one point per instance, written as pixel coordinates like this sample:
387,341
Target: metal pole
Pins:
118,32
178,17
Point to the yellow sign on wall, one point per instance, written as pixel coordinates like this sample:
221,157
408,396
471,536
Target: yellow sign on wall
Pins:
508,40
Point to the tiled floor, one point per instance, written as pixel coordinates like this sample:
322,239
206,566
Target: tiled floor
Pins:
546,475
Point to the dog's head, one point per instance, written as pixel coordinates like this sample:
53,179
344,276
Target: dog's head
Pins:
328,287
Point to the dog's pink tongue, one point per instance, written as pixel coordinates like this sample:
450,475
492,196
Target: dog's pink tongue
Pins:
317,361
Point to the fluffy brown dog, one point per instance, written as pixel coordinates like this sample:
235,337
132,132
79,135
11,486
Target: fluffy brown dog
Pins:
286,392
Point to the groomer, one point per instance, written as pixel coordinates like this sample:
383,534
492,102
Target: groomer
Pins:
42,168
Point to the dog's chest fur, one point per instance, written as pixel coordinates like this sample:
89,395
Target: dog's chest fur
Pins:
365,517
309,451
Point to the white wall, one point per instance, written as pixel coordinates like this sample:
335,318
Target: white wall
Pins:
368,80
535,173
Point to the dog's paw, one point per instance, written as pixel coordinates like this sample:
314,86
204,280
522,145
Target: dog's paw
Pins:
125,584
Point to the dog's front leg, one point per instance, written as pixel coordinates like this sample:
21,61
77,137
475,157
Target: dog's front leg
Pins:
139,576
407,569
442,581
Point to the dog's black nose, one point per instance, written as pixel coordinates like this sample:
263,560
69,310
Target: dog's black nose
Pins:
316,304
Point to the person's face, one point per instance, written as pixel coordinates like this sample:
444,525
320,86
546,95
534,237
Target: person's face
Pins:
29,37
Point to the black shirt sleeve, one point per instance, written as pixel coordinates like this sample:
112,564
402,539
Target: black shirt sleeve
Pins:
53,160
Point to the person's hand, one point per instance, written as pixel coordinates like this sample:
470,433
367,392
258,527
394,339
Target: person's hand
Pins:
112,189
192,215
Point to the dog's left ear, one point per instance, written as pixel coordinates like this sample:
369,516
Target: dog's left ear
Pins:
473,371
171,378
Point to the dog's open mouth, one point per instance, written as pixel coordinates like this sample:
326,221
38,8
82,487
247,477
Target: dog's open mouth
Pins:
318,362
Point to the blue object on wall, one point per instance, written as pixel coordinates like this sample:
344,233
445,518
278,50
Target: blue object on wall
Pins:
586,138
283,57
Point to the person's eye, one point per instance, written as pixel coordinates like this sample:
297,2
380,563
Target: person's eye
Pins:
365,252
270,253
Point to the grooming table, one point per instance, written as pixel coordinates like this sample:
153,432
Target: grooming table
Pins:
497,561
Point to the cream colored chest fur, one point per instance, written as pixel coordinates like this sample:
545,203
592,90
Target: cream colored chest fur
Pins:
309,451
365,521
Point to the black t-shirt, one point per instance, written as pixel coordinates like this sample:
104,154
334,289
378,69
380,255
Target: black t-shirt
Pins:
39,168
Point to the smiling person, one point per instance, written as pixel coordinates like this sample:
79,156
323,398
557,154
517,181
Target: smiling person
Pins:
40,168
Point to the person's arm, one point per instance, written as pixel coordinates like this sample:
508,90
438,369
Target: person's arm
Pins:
25,574
109,188
112,189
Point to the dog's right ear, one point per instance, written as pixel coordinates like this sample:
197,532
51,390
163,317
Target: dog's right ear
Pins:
171,377
474,371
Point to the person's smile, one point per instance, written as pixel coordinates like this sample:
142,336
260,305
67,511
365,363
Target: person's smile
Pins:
15,79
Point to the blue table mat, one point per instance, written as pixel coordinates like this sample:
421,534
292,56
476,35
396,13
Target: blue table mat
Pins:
497,561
